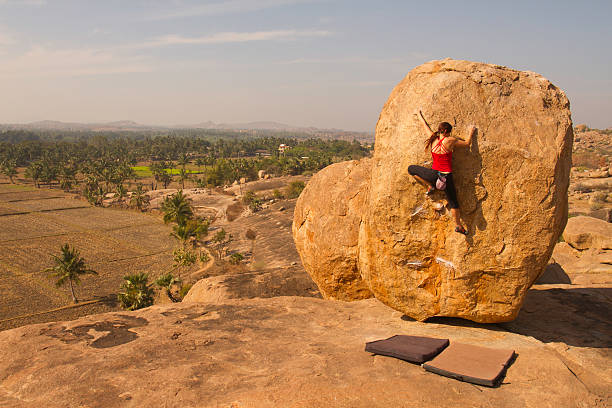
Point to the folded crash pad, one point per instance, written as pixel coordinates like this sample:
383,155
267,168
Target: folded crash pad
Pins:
474,364
410,348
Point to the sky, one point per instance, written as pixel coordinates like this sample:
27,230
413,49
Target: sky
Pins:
321,63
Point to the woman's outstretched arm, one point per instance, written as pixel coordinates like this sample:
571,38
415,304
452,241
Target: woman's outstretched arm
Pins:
468,142
424,123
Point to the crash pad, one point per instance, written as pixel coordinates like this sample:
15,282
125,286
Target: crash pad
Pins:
409,348
474,364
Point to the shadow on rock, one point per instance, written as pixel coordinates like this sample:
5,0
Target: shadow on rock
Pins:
554,273
579,317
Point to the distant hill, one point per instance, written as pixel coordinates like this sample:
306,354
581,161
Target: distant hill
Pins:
129,125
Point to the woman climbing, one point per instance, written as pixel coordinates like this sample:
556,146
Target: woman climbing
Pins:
440,176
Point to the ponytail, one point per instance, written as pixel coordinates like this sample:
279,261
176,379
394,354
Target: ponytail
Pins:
431,139
444,128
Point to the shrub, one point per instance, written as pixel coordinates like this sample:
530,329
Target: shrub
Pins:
295,189
236,258
277,194
252,201
204,257
183,290
166,280
596,206
136,292
220,236
183,257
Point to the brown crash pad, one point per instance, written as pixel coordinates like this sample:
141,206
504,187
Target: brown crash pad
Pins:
410,348
474,364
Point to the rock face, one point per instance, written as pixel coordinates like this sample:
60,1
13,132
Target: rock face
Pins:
247,285
588,233
326,228
511,185
586,255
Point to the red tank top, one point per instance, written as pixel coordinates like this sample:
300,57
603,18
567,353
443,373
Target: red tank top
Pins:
442,161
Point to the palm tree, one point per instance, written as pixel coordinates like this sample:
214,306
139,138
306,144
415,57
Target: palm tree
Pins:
176,208
183,175
183,160
68,267
34,171
67,176
139,198
199,162
9,169
190,229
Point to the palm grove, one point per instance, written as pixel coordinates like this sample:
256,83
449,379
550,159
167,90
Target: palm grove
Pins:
95,164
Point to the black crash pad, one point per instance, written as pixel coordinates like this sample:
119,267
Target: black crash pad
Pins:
474,364
410,348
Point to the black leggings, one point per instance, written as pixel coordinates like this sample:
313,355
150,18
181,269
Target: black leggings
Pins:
431,176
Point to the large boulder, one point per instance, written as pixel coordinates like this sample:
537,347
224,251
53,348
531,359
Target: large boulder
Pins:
588,233
511,185
326,228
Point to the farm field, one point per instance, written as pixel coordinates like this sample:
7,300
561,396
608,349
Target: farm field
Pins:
37,222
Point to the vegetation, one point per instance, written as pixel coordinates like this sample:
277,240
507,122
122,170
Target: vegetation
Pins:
140,199
277,194
251,200
69,266
176,208
236,258
183,257
204,257
184,290
136,292
166,281
101,162
295,189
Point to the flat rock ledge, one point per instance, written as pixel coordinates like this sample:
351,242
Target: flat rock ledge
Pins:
299,352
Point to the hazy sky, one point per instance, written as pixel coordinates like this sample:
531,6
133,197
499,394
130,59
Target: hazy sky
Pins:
323,63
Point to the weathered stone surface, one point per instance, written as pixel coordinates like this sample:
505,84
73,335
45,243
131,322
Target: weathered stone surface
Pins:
591,266
326,228
512,188
247,285
588,233
302,352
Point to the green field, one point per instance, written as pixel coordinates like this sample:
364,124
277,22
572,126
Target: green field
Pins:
145,171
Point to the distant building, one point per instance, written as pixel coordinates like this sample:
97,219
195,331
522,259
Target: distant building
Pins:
262,152
282,147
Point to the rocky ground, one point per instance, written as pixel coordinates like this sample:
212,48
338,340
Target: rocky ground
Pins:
590,190
303,352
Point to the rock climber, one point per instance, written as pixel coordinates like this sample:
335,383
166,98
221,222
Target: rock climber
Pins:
440,176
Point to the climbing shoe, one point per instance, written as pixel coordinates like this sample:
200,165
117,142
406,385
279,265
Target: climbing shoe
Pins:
461,230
